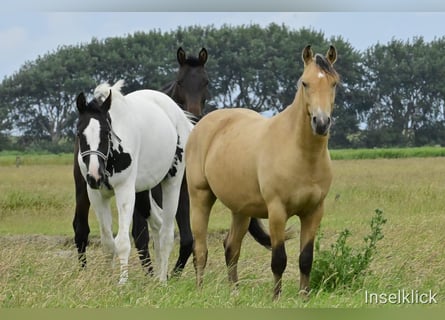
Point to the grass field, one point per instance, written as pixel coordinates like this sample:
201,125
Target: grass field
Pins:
38,266
9,158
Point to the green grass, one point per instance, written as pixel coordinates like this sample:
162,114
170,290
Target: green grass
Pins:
14,158
38,264
9,158
387,153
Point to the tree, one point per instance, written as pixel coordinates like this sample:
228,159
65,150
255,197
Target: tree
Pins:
40,96
408,103
249,66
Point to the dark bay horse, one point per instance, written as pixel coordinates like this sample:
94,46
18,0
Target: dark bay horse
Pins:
265,168
190,91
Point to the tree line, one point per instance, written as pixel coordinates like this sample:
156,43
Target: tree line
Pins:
390,94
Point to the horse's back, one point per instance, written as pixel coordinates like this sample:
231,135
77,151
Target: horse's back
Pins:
220,126
165,103
149,135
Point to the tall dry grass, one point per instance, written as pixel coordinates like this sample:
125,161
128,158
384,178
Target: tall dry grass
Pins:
38,266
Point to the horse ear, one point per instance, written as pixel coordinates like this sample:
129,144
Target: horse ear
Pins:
203,56
107,103
331,55
81,102
181,56
307,54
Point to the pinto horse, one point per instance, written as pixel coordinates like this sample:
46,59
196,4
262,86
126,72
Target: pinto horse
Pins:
130,144
190,91
265,168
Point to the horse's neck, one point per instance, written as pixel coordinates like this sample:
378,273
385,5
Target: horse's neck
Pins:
120,114
296,121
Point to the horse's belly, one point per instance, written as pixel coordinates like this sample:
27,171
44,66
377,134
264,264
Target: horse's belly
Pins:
156,156
252,206
237,190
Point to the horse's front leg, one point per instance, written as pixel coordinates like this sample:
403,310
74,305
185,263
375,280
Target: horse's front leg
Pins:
80,221
309,226
102,209
277,226
125,199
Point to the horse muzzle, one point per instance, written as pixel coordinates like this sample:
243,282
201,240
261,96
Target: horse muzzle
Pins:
320,122
94,183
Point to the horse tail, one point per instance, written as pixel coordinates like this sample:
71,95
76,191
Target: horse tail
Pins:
155,218
259,233
103,90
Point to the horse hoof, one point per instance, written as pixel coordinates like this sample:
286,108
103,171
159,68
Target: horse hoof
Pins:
123,280
304,295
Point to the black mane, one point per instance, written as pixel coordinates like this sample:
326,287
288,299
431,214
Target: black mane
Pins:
324,64
193,62
94,106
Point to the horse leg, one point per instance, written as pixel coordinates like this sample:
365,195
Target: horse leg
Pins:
140,230
232,244
185,232
277,225
125,201
309,227
80,221
201,202
170,196
102,210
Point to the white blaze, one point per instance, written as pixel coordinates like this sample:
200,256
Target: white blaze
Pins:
321,74
92,136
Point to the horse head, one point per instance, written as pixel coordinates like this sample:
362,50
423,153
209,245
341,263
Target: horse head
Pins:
191,84
94,130
318,83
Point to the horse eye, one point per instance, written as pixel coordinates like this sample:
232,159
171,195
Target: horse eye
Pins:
304,84
180,83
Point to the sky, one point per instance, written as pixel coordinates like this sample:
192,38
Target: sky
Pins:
26,34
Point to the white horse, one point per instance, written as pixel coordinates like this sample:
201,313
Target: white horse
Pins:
129,144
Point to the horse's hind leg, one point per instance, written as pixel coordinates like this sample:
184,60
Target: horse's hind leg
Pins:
170,196
201,202
232,244
185,232
140,229
80,221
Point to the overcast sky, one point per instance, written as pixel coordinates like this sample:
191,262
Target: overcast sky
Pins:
24,35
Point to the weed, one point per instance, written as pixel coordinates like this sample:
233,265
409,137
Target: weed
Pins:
344,266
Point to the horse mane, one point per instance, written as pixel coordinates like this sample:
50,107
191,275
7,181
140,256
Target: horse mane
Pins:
324,65
193,61
191,117
168,88
103,90
94,106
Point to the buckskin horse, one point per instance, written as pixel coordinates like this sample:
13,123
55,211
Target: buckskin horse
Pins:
265,168
190,91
